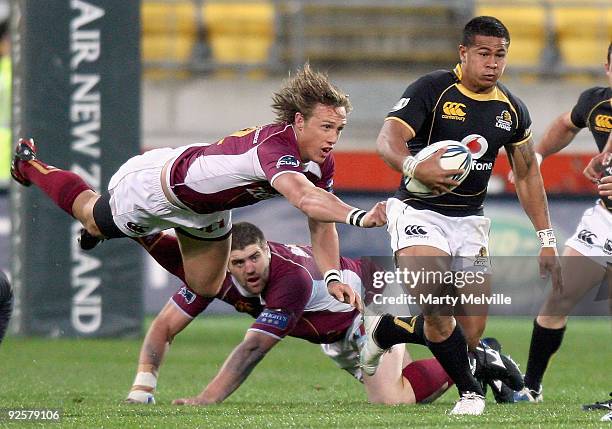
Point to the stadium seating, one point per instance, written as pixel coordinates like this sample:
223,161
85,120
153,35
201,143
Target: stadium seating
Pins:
527,26
240,33
169,33
583,34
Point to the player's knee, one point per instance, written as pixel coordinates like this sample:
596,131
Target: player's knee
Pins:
203,286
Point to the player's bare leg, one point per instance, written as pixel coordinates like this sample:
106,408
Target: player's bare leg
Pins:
399,380
205,263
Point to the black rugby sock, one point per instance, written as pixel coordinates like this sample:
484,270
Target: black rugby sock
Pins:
452,354
399,330
544,343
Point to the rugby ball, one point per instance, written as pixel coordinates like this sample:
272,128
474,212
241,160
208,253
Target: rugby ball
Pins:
456,156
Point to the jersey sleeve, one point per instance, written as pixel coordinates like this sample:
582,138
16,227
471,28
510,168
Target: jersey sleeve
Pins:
522,132
286,297
189,302
580,112
279,154
417,102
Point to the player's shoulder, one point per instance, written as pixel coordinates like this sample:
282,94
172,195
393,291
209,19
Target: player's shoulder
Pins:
512,98
438,79
596,94
274,132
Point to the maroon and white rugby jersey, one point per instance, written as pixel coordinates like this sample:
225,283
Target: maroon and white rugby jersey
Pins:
295,302
239,169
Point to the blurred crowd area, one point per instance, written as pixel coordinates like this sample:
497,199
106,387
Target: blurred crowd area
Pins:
554,37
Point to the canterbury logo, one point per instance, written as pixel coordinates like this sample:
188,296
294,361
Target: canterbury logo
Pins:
453,110
603,121
415,230
586,236
608,247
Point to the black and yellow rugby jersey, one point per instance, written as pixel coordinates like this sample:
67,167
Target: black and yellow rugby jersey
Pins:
438,107
594,110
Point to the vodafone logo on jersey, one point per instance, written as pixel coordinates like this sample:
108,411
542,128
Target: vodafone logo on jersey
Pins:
478,145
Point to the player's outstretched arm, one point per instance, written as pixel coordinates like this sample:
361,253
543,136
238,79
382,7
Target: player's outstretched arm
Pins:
323,206
235,369
168,323
531,193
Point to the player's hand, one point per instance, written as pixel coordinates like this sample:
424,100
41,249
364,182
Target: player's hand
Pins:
376,216
550,265
196,400
595,167
605,187
430,173
344,293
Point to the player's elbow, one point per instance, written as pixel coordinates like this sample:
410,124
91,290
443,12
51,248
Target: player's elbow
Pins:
309,202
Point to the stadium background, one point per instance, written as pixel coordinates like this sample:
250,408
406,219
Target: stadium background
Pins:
209,68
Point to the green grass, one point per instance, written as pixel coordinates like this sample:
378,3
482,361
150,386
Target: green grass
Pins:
294,386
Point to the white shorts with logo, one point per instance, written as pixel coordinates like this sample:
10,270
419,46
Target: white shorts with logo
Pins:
466,238
593,236
140,207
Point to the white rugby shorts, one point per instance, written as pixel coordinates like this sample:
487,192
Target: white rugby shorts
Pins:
465,238
140,208
593,236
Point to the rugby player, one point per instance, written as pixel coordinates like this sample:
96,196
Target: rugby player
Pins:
282,288
193,188
469,105
588,253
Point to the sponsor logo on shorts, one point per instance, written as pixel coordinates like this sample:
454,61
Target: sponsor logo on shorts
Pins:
482,259
586,237
453,110
187,295
504,121
400,104
608,247
134,227
415,230
287,161
273,318
215,226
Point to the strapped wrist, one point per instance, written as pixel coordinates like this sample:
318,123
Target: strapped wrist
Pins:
355,217
547,237
331,276
409,165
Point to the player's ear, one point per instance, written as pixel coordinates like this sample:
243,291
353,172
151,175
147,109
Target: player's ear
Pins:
462,53
299,120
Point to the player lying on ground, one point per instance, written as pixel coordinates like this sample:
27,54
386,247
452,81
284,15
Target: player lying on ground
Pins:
588,253
193,188
281,287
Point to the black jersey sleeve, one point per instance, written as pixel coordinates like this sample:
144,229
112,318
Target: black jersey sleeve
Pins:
417,102
522,132
580,112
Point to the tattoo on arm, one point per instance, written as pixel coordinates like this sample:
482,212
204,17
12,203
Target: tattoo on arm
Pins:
528,153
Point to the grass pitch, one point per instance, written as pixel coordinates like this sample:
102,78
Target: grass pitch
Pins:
294,386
